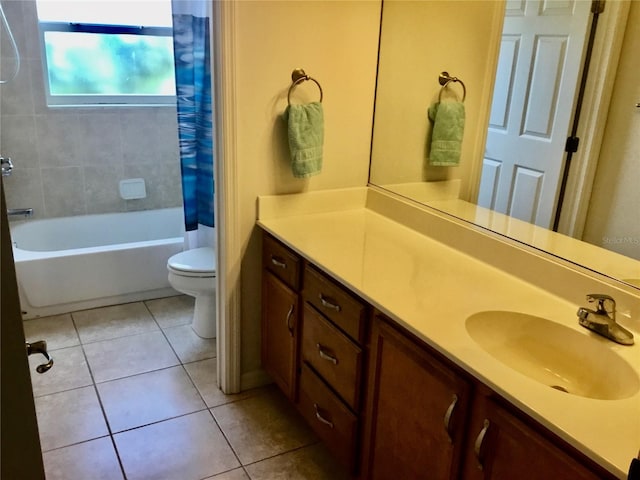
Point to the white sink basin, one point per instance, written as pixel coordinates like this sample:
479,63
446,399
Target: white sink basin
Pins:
554,355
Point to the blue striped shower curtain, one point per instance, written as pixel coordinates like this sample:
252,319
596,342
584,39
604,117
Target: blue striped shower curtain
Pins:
195,125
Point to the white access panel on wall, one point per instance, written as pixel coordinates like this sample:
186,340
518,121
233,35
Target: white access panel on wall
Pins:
132,188
538,69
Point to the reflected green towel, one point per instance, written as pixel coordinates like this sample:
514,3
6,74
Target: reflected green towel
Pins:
306,136
448,129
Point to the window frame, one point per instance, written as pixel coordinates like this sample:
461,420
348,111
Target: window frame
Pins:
97,100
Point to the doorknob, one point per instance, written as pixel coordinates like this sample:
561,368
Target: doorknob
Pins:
40,347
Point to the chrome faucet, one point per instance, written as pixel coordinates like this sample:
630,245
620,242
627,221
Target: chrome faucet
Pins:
603,321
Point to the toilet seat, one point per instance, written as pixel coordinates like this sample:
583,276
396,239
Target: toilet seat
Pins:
198,262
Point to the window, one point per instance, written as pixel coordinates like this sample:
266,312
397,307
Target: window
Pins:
107,52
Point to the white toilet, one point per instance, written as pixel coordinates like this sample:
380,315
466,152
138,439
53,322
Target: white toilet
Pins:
193,272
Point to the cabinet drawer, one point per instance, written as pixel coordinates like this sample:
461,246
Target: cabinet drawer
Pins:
331,420
336,303
336,358
281,261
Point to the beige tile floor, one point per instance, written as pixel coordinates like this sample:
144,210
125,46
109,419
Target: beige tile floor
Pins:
132,395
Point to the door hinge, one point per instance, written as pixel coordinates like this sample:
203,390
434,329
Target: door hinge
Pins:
597,6
572,145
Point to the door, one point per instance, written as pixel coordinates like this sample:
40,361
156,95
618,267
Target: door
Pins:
538,69
21,456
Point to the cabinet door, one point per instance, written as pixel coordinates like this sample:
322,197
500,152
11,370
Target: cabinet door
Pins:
279,326
416,411
502,446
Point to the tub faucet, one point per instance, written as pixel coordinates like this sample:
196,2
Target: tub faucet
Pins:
603,321
20,212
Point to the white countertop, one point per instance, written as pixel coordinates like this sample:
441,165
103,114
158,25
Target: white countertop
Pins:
431,289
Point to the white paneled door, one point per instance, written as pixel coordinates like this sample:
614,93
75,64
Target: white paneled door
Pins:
538,71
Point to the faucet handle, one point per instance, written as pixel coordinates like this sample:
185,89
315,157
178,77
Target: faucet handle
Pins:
601,298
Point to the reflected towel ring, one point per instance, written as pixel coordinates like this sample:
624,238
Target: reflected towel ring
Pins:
298,76
445,79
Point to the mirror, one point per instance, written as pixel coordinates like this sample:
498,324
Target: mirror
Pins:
421,39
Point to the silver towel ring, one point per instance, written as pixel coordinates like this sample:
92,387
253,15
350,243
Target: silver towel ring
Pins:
298,76
445,79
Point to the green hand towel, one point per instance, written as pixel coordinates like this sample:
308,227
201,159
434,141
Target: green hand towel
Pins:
448,129
306,136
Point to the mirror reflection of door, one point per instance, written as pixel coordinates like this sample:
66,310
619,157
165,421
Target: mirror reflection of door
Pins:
538,71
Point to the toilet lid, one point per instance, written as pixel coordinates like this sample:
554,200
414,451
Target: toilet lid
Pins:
197,260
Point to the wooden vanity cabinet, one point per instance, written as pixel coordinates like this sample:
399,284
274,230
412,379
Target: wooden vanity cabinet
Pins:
385,403
427,419
280,314
313,331
503,444
416,410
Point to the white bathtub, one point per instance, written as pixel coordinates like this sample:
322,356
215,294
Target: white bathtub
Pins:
74,263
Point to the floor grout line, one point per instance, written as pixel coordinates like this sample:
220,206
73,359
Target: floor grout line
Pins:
192,381
224,435
61,447
95,384
102,408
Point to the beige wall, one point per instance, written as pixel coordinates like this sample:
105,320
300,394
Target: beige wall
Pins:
420,40
613,219
336,43
69,161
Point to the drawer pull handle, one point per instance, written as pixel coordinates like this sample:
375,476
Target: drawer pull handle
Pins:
328,303
324,355
448,415
277,262
289,316
321,418
477,446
